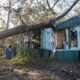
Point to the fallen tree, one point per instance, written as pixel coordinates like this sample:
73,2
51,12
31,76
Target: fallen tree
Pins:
22,29
25,28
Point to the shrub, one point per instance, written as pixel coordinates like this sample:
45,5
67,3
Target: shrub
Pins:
25,55
18,59
2,52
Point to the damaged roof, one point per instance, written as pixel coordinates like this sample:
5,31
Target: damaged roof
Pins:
72,22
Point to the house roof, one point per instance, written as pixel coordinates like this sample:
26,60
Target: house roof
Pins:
72,22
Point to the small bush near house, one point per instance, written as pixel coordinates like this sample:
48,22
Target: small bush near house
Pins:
18,59
28,55
25,55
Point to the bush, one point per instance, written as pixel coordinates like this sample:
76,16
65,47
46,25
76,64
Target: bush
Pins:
25,55
18,59
2,52
28,55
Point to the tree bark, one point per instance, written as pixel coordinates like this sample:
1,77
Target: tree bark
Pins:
25,28
22,29
8,15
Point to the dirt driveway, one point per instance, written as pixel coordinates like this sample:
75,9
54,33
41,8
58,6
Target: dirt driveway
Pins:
52,71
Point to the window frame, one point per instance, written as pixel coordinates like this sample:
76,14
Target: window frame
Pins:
70,46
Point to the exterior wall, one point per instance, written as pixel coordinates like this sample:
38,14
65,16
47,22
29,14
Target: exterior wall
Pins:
67,46
63,55
66,54
47,41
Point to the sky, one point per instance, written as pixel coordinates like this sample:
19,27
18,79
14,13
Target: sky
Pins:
63,6
3,2
17,5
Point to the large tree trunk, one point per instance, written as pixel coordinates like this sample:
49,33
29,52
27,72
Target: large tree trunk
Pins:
22,29
25,28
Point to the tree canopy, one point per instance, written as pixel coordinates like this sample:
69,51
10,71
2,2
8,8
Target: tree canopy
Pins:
27,15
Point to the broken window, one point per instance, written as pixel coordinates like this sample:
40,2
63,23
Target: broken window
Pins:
73,37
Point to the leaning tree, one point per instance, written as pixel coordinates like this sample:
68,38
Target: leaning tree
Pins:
28,27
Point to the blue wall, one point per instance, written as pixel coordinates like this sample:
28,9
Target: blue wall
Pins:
47,39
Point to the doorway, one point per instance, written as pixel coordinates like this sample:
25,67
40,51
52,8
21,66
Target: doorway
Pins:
60,39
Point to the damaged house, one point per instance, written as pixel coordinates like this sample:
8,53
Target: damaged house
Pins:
60,44
63,44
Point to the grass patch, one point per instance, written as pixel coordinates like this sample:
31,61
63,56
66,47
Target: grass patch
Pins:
19,60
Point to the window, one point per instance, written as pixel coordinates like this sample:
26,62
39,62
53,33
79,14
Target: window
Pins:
73,37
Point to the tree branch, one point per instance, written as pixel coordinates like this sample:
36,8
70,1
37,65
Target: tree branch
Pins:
50,7
21,19
8,15
62,15
25,28
22,29
55,3
19,15
4,6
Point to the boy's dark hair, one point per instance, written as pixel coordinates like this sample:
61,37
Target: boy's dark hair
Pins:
10,46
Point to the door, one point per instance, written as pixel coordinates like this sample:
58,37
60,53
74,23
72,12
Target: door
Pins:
60,39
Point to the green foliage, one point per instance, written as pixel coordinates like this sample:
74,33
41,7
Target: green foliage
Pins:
2,52
25,55
19,60
28,55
